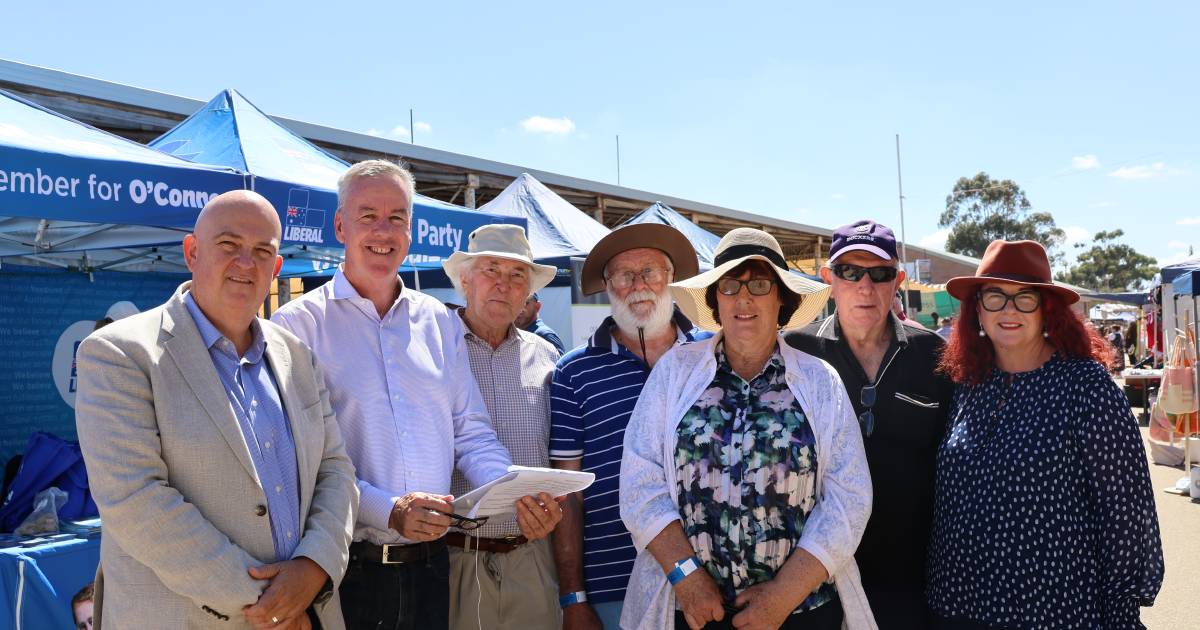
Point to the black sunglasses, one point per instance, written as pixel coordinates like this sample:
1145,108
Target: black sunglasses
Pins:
756,286
853,273
866,419
995,300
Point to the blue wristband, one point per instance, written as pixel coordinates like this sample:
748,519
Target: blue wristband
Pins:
578,597
682,569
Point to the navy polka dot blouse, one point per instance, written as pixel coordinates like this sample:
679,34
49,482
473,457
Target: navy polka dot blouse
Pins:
1044,514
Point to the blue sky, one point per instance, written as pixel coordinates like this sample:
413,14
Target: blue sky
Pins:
785,109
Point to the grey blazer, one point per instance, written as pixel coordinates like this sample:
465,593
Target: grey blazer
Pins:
183,509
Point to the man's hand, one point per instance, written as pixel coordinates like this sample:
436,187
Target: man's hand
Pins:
538,515
580,616
421,516
293,584
764,606
700,599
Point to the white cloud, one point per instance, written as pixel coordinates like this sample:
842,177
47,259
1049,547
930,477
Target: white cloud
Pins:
937,240
550,126
423,127
1085,162
1172,258
374,132
1076,234
1143,171
400,131
1188,221
1177,245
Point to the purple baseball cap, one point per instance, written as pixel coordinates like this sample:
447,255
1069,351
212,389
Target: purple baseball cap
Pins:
867,236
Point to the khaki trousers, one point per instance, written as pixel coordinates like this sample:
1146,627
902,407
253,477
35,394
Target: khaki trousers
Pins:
518,589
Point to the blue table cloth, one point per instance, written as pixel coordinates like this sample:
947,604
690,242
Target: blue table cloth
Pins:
37,583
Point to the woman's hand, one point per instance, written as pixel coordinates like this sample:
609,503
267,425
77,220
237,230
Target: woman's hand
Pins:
700,599
765,606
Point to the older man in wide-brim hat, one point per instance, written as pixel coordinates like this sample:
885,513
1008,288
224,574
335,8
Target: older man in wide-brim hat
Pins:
595,388
496,572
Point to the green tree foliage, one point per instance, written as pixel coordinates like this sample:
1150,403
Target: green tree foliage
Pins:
980,210
1108,266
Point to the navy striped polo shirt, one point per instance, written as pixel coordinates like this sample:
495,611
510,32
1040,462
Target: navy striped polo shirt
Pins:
594,389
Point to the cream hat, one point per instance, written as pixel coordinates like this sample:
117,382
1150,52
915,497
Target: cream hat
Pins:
735,248
501,240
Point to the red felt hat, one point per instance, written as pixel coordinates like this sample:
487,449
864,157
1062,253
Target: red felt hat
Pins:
1019,262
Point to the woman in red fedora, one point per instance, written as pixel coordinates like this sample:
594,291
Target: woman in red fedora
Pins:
1044,514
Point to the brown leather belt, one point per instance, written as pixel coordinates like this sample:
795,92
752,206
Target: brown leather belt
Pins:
364,551
494,545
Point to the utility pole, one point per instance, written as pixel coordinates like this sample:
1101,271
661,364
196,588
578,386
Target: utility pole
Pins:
412,131
903,238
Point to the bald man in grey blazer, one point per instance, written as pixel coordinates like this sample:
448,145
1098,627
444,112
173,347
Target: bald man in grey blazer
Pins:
223,484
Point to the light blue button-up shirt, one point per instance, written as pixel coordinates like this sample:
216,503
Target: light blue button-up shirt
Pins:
405,398
254,395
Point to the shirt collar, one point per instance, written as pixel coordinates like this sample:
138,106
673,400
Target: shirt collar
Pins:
603,338
343,290
211,336
831,329
512,330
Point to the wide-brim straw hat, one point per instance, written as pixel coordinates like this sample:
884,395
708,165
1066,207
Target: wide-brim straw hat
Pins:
664,238
1020,262
501,240
735,248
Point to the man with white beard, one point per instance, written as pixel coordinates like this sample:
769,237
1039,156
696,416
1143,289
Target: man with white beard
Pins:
593,391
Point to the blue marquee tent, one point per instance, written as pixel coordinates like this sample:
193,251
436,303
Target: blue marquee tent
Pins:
557,229
704,241
67,188
300,180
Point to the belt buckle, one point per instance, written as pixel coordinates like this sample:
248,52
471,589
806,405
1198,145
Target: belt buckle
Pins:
387,550
511,541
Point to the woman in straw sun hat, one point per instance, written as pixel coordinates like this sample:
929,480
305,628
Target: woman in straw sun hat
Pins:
1043,513
743,480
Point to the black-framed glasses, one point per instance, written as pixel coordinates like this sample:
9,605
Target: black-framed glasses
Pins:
756,286
464,523
853,273
995,300
649,275
866,419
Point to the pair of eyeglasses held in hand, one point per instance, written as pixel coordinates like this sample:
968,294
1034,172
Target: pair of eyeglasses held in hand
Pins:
462,522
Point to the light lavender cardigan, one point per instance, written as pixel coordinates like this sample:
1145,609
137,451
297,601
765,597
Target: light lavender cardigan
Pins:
649,498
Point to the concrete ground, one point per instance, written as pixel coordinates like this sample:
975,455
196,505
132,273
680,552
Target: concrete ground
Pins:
1178,603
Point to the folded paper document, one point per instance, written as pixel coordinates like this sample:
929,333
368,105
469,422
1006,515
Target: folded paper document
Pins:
499,496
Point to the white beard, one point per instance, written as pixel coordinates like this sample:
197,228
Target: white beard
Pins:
653,323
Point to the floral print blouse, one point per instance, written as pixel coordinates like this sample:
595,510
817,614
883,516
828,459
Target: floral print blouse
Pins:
747,463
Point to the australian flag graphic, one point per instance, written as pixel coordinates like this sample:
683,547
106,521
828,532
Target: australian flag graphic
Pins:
303,224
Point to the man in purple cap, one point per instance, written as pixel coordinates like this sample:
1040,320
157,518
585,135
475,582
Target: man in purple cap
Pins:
902,405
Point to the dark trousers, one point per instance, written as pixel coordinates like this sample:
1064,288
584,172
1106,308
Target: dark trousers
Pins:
899,610
410,596
828,616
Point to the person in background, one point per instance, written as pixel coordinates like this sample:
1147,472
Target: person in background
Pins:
399,378
212,452
496,573
595,387
81,607
743,480
1044,514
936,323
528,320
947,327
902,406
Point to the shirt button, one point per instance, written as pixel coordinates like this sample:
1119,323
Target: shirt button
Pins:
267,445
289,535
254,402
260,510
278,488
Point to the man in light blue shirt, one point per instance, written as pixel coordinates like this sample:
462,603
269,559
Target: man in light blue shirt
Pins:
410,410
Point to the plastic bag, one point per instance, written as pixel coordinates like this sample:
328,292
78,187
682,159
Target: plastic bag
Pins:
44,518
